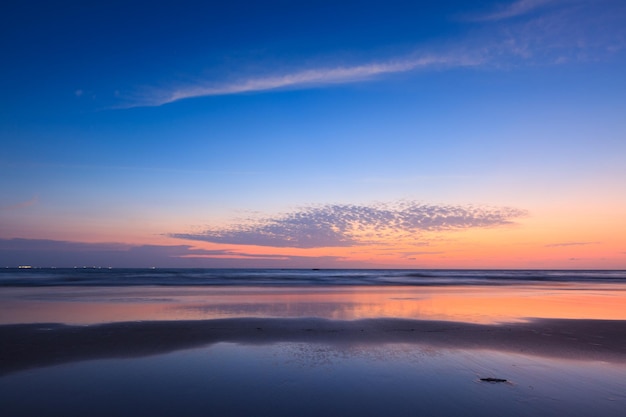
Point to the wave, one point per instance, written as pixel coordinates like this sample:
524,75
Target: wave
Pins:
15,277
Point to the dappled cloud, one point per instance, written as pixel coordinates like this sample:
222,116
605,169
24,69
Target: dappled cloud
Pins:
344,225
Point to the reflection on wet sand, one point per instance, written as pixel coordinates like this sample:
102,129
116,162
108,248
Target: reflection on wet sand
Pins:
35,345
490,304
365,351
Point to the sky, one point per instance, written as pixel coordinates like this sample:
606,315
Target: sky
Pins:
313,134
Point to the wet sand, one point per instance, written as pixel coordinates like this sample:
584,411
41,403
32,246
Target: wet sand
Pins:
396,351
26,346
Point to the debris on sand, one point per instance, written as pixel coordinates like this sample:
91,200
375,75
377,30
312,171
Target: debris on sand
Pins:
493,380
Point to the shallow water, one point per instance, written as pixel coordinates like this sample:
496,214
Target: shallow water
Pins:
310,379
436,374
476,304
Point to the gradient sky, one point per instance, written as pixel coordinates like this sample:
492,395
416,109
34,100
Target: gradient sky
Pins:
410,134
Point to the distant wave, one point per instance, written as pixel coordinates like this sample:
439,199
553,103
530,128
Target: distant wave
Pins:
14,277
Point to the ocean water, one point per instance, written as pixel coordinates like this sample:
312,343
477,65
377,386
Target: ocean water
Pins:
32,277
241,342
313,379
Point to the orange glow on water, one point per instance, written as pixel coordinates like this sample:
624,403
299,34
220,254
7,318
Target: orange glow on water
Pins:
467,304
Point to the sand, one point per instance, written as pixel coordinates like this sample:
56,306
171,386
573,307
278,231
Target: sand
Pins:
332,352
25,346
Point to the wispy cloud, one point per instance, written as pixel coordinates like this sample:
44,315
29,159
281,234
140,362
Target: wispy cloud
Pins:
566,244
352,225
44,252
23,204
551,32
413,255
515,9
547,32
303,78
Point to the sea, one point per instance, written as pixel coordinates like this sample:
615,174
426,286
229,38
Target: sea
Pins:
309,342
53,277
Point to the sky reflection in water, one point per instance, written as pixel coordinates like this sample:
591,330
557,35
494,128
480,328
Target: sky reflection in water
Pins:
488,304
308,379
428,365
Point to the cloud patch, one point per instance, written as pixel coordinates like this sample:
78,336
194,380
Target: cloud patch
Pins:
57,253
345,225
566,244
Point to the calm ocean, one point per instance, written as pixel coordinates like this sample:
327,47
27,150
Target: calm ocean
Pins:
15,277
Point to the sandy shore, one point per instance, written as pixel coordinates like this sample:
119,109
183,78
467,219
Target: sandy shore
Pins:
24,346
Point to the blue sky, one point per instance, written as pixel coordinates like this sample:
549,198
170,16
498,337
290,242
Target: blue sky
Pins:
212,126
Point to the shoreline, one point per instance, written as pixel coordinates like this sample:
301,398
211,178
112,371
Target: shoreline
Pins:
27,346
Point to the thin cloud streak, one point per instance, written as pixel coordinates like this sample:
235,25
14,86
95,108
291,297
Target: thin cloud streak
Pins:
24,204
566,244
57,253
308,77
515,9
551,32
349,225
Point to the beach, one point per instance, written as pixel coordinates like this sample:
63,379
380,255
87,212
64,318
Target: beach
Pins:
29,346
313,208
515,349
